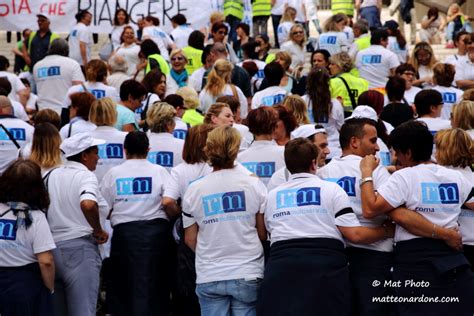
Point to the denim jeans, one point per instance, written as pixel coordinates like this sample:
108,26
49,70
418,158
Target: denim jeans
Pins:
372,15
230,297
260,25
450,29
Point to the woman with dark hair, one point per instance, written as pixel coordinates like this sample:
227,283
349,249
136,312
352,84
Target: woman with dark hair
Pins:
194,50
243,35
263,48
219,31
121,20
150,51
285,125
396,41
264,156
320,58
79,115
155,84
443,77
156,34
26,264
431,26
129,49
322,109
80,38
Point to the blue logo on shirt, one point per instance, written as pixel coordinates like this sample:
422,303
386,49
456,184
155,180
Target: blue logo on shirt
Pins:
261,169
98,94
298,197
134,186
45,72
272,99
17,134
260,74
329,40
346,183
7,229
221,203
162,158
74,33
439,193
371,59
449,97
385,158
180,133
110,151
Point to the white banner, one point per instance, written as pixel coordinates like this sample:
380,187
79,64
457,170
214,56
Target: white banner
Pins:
16,15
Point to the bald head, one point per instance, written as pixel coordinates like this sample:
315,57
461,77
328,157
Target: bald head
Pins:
118,64
6,107
219,51
59,47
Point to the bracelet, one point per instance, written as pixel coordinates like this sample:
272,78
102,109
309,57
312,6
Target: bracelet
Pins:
433,234
365,180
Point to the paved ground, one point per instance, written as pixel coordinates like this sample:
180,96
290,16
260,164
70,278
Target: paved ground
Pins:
5,47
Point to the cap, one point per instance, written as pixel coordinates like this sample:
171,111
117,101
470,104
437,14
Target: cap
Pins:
391,24
306,131
78,143
364,111
43,15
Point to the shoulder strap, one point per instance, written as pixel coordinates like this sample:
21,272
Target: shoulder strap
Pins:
10,136
351,95
70,129
46,178
234,91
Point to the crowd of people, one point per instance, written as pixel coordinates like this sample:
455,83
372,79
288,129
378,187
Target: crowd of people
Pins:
201,172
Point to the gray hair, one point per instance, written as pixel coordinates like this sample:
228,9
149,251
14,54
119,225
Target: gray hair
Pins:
5,105
59,47
362,25
118,64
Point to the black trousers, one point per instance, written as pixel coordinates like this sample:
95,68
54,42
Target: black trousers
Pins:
140,268
365,267
22,292
469,254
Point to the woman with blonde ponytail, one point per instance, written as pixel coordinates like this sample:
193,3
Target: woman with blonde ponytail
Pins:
219,84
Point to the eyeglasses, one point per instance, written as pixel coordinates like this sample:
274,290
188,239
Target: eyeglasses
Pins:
177,58
409,73
297,32
222,32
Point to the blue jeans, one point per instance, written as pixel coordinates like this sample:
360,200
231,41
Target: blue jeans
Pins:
372,15
450,29
230,297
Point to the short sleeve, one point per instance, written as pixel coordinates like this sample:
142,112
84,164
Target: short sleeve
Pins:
189,206
106,188
172,187
127,117
395,189
459,71
84,35
43,239
19,85
262,193
380,176
77,74
343,213
89,188
338,113
393,61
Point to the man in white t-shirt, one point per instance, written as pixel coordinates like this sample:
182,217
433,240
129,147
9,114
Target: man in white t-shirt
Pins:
73,216
181,30
14,134
17,85
80,38
425,200
464,77
55,74
142,232
377,63
274,94
358,138
307,220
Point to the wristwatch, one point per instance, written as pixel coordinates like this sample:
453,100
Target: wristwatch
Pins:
364,180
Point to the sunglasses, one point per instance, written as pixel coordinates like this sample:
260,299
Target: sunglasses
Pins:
298,32
177,58
222,32
409,73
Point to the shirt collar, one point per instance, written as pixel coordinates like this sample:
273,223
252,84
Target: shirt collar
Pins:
75,165
302,175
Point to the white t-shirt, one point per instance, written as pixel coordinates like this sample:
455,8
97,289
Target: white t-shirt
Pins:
165,150
260,75
162,39
374,64
349,35
206,100
466,218
451,96
280,176
279,7
111,153
98,89
410,94
16,84
296,52
182,176
402,54
464,69
247,137
181,128
134,190
19,245
54,76
32,101
434,126
228,246
332,125
283,31
180,35
300,12
117,33
19,111
269,97
130,54
116,79
453,59
80,33
334,42
195,80
75,126
68,186
345,172
263,158
307,207
433,191
21,131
